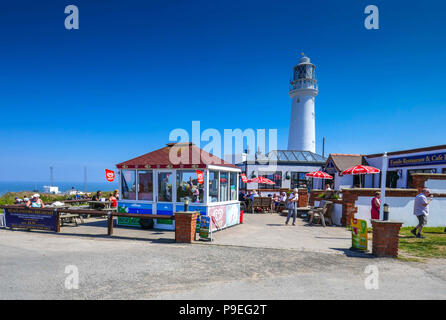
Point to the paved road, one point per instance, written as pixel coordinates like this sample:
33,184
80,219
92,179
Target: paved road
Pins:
32,266
270,231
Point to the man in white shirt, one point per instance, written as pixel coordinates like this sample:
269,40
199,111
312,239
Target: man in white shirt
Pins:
292,206
421,210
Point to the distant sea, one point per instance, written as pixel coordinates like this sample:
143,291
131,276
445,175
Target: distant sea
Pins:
6,186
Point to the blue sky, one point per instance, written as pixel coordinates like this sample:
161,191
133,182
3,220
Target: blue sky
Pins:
135,70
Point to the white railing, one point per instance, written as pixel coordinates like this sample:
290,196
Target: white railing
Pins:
303,84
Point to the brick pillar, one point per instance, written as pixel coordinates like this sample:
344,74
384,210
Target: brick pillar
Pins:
385,238
303,197
348,207
185,226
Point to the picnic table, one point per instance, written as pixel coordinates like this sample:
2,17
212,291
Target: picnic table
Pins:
101,205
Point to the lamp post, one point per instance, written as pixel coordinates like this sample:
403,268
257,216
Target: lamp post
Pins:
386,212
383,184
186,204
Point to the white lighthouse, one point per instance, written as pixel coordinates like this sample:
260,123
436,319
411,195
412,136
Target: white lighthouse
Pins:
303,90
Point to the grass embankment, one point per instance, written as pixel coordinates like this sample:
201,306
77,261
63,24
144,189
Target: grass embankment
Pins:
433,246
416,249
9,198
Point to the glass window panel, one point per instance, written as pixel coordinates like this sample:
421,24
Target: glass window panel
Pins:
298,180
213,186
273,155
310,156
291,156
128,184
233,185
300,156
165,186
145,185
282,156
188,186
224,186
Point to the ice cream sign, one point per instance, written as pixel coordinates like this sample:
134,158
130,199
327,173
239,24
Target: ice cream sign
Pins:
109,175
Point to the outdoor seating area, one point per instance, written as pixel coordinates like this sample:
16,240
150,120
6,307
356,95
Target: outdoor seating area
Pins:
320,214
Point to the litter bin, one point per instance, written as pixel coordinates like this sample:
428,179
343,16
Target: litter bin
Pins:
241,216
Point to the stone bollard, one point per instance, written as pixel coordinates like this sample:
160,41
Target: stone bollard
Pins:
385,238
185,226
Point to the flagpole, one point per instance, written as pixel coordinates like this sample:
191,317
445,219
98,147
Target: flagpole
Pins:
383,185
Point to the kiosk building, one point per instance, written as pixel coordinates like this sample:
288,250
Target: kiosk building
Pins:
159,182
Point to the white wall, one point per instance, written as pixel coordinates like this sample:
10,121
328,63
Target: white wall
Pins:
401,209
343,181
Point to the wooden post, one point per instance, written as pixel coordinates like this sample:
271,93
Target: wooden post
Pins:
110,223
58,220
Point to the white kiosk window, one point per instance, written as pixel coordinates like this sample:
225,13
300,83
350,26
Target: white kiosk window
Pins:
165,187
188,186
233,186
128,184
145,185
224,186
213,186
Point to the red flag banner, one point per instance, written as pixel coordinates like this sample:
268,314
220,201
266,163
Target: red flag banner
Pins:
109,175
244,179
200,176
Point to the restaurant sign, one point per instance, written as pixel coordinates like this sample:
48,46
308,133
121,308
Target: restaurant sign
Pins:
31,219
420,160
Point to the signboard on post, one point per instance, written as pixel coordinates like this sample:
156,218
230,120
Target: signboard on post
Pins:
205,228
359,234
26,218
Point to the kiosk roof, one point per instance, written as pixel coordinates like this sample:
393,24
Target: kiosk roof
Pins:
175,155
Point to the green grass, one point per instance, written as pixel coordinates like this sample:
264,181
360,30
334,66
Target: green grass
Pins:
433,246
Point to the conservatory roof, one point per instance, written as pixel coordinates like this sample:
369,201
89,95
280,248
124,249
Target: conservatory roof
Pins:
169,157
294,156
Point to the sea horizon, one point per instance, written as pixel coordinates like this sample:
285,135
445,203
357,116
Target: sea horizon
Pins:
37,186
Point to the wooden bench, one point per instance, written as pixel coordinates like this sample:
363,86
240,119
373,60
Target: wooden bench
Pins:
261,202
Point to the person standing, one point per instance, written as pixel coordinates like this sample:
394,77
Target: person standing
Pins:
292,206
421,210
376,204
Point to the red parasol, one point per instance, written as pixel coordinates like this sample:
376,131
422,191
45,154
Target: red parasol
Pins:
261,180
319,174
360,169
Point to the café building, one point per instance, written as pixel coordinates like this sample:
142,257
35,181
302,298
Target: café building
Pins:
402,164
286,168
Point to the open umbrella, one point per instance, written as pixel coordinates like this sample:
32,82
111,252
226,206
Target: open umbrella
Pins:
360,169
262,180
318,175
